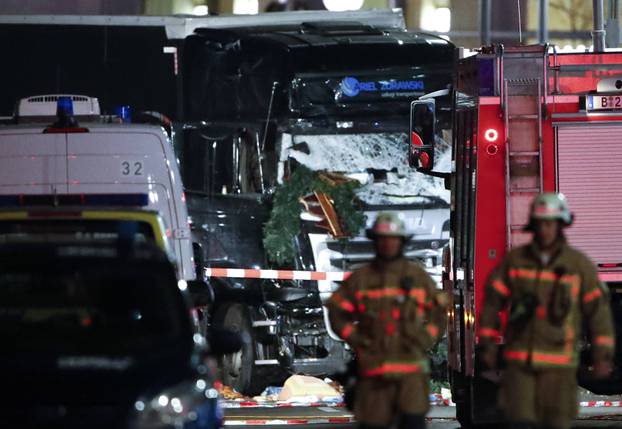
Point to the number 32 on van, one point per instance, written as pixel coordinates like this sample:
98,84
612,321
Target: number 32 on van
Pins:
131,168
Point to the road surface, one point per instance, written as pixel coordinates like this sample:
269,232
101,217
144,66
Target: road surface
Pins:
439,418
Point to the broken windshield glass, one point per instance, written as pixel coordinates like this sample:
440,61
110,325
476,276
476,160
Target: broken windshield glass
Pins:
379,161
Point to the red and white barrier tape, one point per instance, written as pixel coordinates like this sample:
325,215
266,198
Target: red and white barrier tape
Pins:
271,404
240,273
306,421
435,399
597,404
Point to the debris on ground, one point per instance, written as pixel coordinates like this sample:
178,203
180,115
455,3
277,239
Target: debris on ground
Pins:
302,388
299,391
230,394
335,385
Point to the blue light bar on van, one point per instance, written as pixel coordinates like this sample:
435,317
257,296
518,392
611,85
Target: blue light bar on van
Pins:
64,106
114,200
124,113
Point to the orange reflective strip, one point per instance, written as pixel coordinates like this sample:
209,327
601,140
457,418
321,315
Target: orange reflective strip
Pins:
394,368
570,339
432,330
346,332
525,273
500,287
515,355
390,292
575,291
489,332
539,357
570,279
603,340
396,314
547,275
380,293
521,273
589,297
347,306
418,293
551,358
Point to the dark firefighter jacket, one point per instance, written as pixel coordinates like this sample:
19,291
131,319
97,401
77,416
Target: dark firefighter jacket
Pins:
391,314
547,306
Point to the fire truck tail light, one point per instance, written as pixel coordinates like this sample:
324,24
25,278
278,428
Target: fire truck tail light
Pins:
424,160
610,265
491,135
492,149
415,139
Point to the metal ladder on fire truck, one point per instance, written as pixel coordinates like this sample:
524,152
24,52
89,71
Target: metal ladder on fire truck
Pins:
523,81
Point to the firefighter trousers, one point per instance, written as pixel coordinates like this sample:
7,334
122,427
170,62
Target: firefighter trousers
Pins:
379,401
539,397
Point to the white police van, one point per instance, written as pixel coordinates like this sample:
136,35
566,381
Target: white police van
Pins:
48,157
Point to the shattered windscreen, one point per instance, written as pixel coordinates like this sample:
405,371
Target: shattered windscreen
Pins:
379,161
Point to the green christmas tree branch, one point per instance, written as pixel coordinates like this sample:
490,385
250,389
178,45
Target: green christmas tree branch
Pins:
284,223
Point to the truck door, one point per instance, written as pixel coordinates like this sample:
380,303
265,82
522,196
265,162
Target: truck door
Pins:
32,163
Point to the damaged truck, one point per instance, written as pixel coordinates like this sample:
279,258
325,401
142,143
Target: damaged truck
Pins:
266,99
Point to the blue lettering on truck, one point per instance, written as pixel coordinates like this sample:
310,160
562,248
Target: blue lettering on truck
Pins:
351,86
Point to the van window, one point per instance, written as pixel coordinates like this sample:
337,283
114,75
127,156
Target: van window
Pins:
78,229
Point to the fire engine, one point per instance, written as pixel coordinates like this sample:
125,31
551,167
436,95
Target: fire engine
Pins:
525,120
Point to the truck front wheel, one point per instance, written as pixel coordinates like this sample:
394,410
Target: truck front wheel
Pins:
238,369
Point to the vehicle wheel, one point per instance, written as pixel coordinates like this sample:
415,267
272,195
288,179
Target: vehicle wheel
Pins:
238,369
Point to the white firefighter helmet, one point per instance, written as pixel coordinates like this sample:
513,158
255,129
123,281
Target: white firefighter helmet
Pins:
550,205
388,225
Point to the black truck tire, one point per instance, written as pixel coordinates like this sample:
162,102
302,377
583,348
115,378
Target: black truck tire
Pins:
238,370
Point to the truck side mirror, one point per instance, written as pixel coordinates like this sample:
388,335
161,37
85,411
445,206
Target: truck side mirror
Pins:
422,134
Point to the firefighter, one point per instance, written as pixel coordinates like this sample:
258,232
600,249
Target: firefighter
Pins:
550,290
391,314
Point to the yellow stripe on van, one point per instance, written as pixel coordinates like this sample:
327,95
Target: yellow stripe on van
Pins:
13,215
140,216
150,218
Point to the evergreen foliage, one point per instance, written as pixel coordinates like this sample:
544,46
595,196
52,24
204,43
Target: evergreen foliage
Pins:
284,223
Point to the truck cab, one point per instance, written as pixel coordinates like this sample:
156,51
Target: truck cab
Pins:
266,97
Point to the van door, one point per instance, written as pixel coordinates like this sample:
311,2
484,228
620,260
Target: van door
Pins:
32,163
132,160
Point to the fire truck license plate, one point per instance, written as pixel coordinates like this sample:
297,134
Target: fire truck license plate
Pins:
604,102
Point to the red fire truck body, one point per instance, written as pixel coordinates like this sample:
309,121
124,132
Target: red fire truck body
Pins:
527,120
